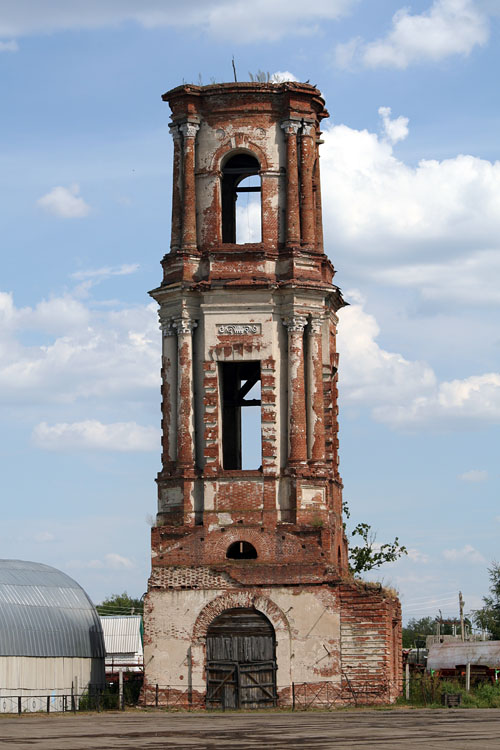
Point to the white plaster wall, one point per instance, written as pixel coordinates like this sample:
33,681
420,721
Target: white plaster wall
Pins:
210,138
234,307
307,634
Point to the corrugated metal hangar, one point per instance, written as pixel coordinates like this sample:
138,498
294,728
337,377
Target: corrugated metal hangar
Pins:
51,640
123,638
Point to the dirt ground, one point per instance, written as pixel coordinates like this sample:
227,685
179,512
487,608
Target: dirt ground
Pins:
402,729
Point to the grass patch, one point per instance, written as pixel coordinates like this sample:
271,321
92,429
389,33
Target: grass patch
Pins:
427,690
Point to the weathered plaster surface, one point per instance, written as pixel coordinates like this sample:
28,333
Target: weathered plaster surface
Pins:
273,302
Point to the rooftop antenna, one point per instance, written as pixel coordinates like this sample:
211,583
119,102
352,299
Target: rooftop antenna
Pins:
234,70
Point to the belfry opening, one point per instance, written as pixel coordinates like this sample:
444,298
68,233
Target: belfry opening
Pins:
240,382
240,177
250,600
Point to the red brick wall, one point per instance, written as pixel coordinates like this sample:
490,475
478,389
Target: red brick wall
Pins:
371,641
301,544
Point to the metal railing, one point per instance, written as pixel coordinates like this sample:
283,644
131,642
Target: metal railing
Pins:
173,697
297,696
331,695
304,696
61,700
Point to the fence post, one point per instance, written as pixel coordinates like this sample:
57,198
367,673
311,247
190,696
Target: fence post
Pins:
156,695
467,676
19,705
48,704
293,696
407,681
121,702
350,688
73,704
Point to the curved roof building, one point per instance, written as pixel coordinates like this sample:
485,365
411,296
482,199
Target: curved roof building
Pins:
44,612
50,633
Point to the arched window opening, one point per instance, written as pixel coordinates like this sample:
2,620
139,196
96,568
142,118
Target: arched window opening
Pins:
241,415
241,220
241,551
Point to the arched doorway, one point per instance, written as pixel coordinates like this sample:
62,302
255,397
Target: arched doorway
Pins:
241,660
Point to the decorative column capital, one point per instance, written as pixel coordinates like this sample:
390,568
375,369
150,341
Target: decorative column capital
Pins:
175,131
166,325
295,324
315,326
307,127
189,129
184,325
291,127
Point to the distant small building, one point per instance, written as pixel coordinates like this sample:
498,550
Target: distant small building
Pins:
51,642
415,657
451,657
123,639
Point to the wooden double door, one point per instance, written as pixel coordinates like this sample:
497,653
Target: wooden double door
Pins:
241,660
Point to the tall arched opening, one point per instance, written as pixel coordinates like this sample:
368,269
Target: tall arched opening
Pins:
241,177
241,660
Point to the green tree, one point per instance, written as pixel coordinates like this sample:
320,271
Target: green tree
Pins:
120,604
488,617
369,554
415,632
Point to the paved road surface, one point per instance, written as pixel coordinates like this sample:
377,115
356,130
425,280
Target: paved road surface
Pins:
451,729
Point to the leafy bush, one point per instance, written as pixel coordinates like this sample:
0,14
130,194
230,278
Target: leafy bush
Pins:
427,689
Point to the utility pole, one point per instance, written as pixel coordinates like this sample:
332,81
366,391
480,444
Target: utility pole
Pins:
461,605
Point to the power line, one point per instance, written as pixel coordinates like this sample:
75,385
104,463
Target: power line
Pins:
442,595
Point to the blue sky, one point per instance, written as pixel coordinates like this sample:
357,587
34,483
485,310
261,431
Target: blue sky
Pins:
411,185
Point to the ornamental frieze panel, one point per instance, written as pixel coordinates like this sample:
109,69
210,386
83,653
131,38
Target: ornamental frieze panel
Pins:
238,329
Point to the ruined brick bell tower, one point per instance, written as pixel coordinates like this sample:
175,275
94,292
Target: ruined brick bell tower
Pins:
250,590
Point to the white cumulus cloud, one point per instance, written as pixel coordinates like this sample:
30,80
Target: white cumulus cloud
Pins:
394,130
112,561
472,278
86,354
471,402
371,375
10,46
116,561
248,219
229,19
104,273
474,475
406,394
64,202
467,554
448,27
433,227
42,537
380,204
281,76
416,556
94,435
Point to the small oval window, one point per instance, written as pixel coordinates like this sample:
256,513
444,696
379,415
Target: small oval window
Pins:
241,551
